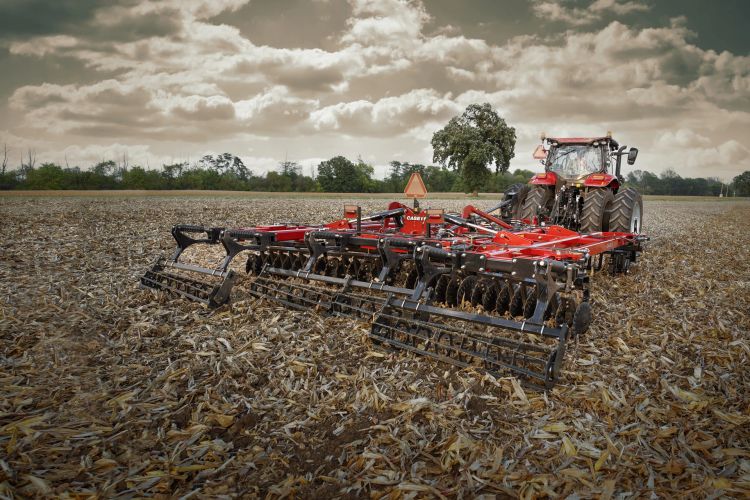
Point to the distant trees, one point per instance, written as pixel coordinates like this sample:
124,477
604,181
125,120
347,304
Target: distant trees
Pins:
472,141
226,164
671,183
742,184
338,174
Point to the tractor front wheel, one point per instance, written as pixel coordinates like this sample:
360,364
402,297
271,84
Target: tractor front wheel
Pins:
626,214
596,207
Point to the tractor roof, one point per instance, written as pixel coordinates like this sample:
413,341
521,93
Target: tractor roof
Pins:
582,140
577,140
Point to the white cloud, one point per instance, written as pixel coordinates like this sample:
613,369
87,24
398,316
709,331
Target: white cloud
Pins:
684,138
386,116
43,45
386,22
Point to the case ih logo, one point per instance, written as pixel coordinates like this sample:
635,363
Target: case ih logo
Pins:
416,218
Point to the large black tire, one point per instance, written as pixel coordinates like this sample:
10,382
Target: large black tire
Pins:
596,207
626,214
516,194
538,196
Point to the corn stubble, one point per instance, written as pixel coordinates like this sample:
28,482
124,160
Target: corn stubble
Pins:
108,389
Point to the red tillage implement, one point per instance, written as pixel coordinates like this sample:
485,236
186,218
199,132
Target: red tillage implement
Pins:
468,290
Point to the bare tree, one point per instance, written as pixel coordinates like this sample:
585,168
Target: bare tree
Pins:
125,162
31,155
5,157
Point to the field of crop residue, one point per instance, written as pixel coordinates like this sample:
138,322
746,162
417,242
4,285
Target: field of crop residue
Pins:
107,389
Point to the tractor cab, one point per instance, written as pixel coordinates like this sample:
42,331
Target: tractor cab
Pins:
580,161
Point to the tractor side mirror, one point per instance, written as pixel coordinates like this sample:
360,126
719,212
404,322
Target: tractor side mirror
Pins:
632,155
540,153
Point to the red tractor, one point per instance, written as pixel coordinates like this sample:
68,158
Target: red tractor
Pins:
577,190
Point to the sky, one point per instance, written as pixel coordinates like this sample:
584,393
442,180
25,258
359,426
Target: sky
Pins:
305,80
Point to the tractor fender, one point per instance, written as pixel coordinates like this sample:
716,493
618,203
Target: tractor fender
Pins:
544,179
601,180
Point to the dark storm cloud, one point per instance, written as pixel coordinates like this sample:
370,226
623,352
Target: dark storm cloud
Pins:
20,18
24,18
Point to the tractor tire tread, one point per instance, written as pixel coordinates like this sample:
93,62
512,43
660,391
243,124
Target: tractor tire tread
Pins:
594,213
536,197
622,210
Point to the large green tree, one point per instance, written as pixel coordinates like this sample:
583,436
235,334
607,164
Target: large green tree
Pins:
471,142
340,175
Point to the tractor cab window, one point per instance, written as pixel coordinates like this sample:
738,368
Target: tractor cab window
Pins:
575,160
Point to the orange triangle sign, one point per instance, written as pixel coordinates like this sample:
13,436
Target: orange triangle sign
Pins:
415,188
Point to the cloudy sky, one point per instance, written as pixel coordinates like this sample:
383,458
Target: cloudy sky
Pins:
170,80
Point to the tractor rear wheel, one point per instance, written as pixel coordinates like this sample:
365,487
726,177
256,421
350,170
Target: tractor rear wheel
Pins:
626,214
595,212
536,198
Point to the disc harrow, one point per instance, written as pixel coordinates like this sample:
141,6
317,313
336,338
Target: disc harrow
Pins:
469,289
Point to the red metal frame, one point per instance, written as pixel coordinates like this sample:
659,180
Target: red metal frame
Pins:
551,242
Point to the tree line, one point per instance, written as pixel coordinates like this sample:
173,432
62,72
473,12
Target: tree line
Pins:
670,182
336,175
228,172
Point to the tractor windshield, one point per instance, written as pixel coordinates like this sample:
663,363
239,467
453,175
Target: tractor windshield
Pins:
575,160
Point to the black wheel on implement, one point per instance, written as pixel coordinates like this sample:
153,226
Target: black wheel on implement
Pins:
536,199
596,208
581,319
626,213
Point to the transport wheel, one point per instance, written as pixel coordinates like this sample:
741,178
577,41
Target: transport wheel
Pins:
465,289
626,212
581,319
565,311
596,206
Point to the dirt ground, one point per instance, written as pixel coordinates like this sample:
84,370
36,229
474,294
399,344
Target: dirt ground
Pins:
110,390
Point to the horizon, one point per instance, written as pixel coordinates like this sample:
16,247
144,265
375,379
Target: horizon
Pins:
172,81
